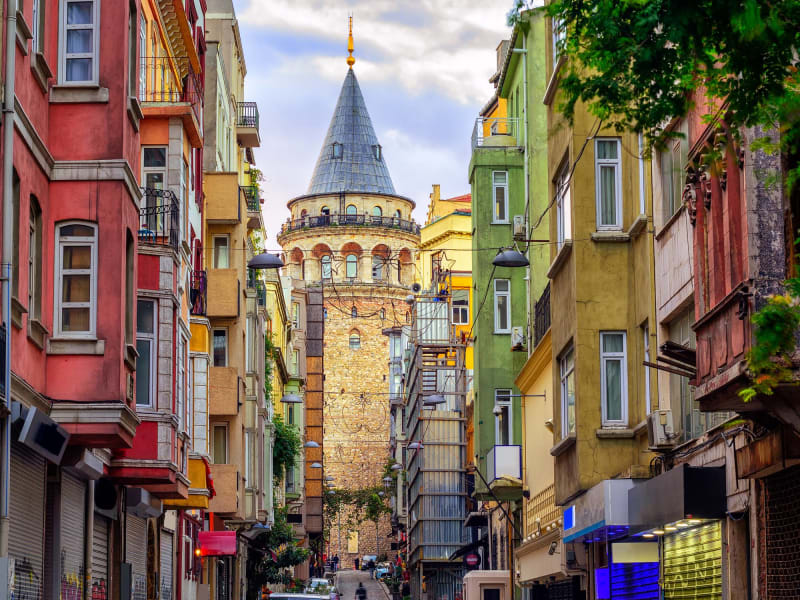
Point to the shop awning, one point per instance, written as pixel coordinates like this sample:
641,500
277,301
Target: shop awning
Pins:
477,519
600,513
684,492
217,543
201,486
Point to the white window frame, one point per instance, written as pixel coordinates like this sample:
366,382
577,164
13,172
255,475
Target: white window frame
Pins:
599,164
180,383
457,309
347,263
296,315
495,187
152,339
142,57
36,29
559,35
563,205
94,55
565,372
606,357
227,342
58,304
498,294
214,260
503,399
162,170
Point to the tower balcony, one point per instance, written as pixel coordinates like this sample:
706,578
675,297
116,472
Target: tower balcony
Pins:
356,220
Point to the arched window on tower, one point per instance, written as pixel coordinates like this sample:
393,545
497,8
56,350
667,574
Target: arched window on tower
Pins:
398,214
355,340
326,266
382,314
354,312
351,209
376,150
377,267
377,211
324,210
351,266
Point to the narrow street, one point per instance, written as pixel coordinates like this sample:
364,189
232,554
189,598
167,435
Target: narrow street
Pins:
347,582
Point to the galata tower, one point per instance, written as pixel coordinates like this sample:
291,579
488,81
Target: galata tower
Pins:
352,237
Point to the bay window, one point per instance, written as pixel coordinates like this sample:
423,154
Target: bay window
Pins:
76,280
566,366
500,196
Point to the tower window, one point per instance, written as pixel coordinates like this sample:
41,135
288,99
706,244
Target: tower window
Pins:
355,341
336,150
350,209
354,312
351,266
376,150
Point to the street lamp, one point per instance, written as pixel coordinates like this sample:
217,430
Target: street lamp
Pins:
265,261
510,257
433,400
292,398
387,482
315,465
328,477
397,467
311,444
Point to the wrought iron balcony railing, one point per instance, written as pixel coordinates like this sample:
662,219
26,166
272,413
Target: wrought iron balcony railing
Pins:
247,114
250,194
358,220
487,128
170,80
541,316
159,222
198,293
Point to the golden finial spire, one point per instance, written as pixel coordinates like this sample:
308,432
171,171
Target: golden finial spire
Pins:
350,60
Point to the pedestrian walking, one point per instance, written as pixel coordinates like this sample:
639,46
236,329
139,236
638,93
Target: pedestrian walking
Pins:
335,563
361,592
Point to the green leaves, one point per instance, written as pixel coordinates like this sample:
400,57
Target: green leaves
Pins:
286,448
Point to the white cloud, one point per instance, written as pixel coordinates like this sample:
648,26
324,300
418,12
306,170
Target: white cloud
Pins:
445,45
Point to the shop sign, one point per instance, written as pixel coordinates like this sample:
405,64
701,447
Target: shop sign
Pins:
472,560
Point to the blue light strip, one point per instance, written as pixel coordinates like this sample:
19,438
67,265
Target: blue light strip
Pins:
584,531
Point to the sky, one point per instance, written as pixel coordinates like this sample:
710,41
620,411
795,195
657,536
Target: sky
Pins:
423,67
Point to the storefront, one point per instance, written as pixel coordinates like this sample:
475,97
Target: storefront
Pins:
682,512
27,521
139,507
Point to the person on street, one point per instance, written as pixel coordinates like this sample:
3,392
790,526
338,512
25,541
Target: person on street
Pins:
335,563
361,591
371,567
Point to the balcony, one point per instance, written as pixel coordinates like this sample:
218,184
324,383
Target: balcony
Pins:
247,125
504,471
197,293
352,220
223,198
159,223
169,87
541,513
223,293
227,485
249,195
224,395
496,133
541,316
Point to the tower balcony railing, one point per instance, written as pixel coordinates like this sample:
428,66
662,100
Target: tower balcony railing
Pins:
247,114
159,220
170,80
358,220
198,293
496,132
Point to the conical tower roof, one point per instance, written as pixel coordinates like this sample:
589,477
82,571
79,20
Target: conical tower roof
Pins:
351,159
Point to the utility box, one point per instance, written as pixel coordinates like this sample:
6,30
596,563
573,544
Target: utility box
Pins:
487,585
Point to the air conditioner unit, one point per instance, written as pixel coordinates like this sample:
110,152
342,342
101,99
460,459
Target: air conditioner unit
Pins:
517,338
660,429
519,228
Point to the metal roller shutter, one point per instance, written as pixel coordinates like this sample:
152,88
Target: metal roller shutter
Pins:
73,528
100,557
693,563
27,517
136,555
166,565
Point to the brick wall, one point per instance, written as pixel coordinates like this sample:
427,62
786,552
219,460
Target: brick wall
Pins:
779,551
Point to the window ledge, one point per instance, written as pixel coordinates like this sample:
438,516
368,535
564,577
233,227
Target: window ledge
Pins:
17,310
563,445
135,113
552,85
76,346
37,332
560,259
676,215
73,94
611,236
23,33
42,72
615,433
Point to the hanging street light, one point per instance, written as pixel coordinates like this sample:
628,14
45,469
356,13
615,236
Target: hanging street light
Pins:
265,261
291,398
311,444
315,465
510,258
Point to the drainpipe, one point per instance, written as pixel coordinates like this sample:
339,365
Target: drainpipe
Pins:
524,52
8,232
